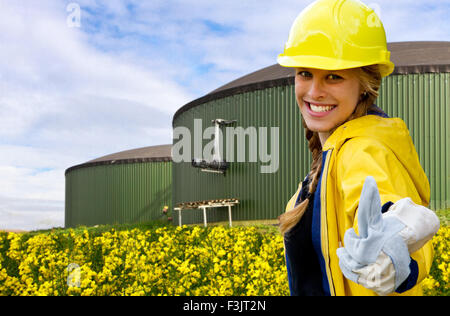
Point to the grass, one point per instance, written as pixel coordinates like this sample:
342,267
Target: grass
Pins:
444,217
264,226
100,229
269,226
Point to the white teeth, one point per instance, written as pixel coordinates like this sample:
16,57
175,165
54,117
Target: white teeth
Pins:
321,108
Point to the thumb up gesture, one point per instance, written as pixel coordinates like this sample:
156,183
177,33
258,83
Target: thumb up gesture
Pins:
377,258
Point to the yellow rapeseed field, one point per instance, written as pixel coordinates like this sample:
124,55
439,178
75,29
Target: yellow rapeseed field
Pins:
164,261
437,283
161,261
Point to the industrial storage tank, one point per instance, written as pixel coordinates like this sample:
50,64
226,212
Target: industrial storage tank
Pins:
252,126
131,186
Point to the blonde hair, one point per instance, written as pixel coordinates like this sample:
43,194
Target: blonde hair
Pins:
370,81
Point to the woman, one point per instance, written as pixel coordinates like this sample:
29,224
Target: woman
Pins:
357,224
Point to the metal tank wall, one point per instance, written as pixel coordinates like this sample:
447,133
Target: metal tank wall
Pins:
117,193
422,100
261,195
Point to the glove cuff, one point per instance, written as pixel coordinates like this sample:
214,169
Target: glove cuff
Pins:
397,250
421,223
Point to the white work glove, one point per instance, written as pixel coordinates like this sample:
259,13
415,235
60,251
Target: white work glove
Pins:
378,258
421,223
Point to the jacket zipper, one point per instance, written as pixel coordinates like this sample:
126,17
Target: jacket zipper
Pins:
323,223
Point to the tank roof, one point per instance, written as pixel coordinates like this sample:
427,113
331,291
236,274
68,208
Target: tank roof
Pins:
408,57
145,154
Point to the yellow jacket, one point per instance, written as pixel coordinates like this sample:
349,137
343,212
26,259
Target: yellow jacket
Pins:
379,147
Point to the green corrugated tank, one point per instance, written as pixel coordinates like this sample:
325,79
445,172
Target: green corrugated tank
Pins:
418,92
127,187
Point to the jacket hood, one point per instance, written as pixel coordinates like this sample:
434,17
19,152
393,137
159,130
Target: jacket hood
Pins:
390,132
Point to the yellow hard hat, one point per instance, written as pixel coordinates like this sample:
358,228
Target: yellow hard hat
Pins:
337,34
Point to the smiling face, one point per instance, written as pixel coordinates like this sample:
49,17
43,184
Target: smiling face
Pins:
326,98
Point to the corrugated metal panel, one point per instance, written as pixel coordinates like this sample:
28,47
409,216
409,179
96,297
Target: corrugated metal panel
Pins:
423,102
262,196
123,193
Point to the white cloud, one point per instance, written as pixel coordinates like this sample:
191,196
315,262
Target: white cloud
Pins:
415,20
64,102
31,198
30,214
27,183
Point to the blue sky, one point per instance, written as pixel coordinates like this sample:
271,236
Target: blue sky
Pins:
71,94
